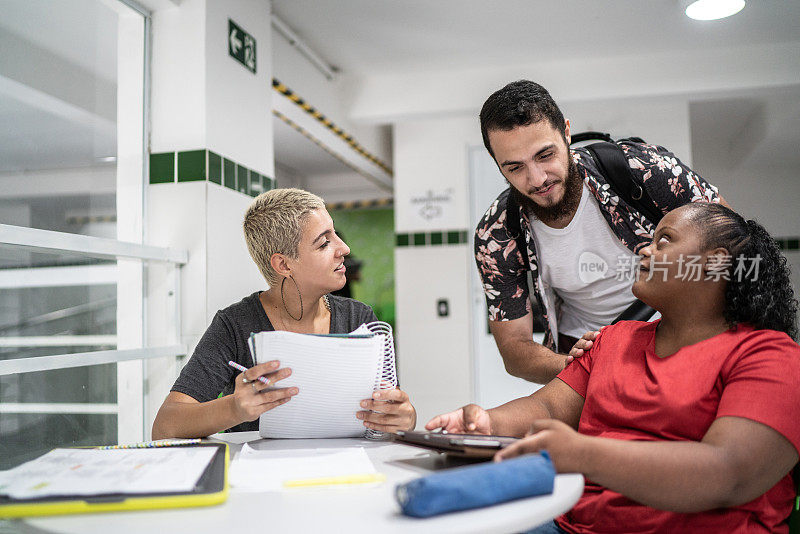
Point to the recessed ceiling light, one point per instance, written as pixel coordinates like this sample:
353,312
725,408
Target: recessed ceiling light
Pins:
713,9
107,159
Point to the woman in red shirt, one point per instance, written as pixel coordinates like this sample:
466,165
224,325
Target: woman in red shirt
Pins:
690,423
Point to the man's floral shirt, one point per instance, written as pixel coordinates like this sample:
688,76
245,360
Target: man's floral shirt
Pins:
669,182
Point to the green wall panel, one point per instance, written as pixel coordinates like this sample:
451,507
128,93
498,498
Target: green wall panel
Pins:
370,235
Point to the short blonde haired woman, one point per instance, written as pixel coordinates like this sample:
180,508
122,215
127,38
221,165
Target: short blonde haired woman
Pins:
291,239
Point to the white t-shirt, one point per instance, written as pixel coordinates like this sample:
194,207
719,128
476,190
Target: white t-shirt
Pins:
587,266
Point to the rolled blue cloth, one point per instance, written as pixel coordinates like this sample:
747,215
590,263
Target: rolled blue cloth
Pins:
477,486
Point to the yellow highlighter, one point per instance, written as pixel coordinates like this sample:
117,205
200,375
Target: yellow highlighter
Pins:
365,478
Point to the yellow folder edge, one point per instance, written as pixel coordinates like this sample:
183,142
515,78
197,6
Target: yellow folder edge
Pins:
80,506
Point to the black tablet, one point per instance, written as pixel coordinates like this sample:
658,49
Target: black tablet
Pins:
468,445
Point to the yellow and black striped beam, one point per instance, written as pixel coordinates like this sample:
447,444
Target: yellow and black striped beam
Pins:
327,149
360,204
325,121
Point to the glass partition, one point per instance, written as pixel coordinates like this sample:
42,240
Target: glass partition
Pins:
72,117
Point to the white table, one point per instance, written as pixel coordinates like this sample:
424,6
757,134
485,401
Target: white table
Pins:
328,509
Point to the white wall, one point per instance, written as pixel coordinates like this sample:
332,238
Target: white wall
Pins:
661,121
231,273
434,359
288,177
238,103
178,70
431,155
768,195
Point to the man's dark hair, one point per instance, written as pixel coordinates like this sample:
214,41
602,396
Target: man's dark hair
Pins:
519,103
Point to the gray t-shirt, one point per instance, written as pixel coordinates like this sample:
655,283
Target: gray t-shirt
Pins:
207,373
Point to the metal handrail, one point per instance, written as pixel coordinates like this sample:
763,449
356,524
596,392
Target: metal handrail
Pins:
59,314
83,359
96,247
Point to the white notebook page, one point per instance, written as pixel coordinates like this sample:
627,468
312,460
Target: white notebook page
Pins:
267,470
333,375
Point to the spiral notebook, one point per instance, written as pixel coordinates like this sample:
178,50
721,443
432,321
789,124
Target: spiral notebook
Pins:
333,373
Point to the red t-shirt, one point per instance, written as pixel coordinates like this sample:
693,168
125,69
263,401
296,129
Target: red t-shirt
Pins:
633,394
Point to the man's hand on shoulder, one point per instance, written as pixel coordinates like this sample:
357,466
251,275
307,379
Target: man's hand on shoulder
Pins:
582,346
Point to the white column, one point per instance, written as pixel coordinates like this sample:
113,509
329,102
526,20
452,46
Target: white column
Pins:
203,99
130,195
434,353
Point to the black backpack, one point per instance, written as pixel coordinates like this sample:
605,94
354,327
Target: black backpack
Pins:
613,165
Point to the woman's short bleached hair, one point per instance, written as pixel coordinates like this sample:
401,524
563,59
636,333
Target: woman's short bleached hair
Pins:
274,224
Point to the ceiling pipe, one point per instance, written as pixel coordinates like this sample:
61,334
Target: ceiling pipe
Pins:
303,48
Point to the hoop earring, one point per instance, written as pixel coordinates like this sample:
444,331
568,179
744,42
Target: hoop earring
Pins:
298,294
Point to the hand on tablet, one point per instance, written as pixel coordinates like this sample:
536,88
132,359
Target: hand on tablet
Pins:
565,446
471,419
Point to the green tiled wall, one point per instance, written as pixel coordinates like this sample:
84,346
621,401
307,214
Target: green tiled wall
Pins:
162,168
460,237
214,168
229,173
242,179
192,166
205,165
256,186
788,243
422,239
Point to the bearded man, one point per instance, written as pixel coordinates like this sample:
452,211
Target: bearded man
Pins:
582,239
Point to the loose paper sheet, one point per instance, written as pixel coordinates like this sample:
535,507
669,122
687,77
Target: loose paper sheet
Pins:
98,472
267,470
333,375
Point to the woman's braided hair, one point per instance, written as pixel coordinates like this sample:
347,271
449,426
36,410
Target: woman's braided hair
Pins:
762,295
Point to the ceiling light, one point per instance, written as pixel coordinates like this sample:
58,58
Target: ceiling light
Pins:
713,9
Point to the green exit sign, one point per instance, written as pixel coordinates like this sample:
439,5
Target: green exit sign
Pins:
241,46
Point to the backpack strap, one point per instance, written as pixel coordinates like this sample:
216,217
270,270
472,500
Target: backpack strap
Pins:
613,165
590,136
637,311
514,229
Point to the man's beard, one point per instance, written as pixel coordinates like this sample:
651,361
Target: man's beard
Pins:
573,186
